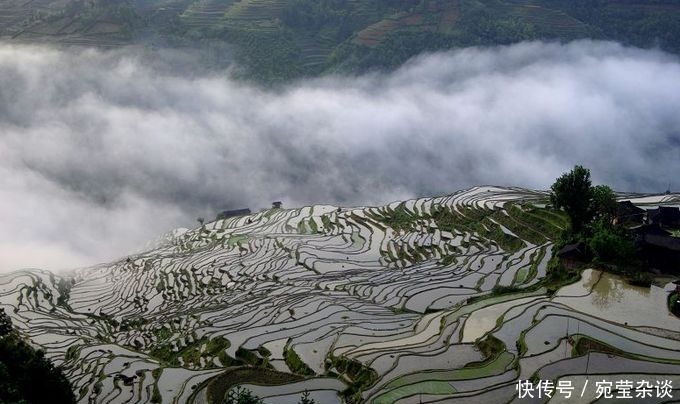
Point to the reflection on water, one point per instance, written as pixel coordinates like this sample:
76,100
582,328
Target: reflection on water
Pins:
590,277
609,296
610,289
605,292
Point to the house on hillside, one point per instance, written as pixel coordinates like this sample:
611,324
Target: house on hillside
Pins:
665,216
277,205
225,214
628,214
572,256
658,249
647,229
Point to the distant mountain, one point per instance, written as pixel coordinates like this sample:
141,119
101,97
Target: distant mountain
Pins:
283,39
448,299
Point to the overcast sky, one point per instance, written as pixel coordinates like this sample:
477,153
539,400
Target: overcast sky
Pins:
102,151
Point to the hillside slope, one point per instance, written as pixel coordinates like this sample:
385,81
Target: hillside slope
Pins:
282,39
381,304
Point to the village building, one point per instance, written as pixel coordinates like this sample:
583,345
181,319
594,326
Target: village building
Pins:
658,249
665,216
647,229
573,256
628,214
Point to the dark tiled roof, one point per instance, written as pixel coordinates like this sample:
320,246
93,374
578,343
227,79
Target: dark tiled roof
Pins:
628,207
666,242
651,229
664,214
576,250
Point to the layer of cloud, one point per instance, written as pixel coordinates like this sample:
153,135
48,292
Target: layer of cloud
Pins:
102,151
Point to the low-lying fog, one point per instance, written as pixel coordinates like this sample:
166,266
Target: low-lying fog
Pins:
102,151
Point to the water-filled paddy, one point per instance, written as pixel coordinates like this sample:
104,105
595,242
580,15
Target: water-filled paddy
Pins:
409,291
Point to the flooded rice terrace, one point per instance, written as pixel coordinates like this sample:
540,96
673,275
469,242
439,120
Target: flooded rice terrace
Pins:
430,300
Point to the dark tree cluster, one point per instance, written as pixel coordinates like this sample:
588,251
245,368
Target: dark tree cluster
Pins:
582,201
239,395
591,210
26,376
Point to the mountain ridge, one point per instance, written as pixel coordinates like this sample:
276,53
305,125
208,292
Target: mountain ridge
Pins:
278,40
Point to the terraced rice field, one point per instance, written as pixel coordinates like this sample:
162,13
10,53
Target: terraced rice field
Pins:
396,302
48,21
247,15
205,13
16,15
546,20
438,16
262,15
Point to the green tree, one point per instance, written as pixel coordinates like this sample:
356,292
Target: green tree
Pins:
5,323
604,202
610,243
305,399
573,193
27,377
240,395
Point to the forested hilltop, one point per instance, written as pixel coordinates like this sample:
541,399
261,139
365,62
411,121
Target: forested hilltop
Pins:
283,39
